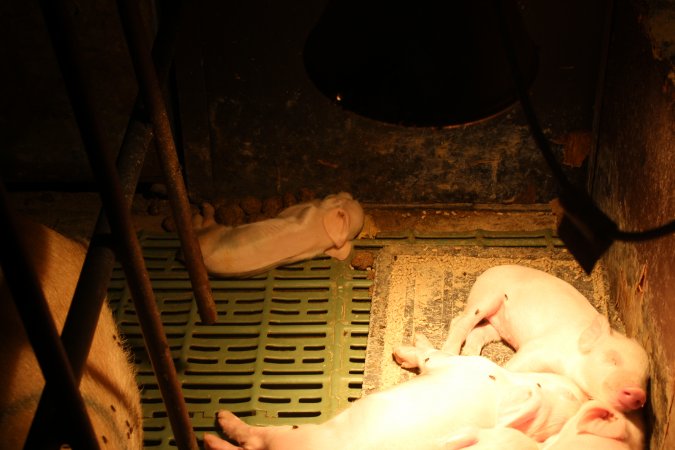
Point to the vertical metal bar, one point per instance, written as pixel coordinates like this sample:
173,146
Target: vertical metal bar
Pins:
598,101
119,217
42,334
166,152
193,103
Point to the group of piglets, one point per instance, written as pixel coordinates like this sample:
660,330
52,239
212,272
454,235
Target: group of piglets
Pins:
573,383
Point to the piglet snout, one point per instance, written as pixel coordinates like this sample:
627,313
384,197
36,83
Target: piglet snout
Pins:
631,398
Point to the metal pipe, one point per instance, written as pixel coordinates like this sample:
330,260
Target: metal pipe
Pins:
599,97
119,217
24,285
166,152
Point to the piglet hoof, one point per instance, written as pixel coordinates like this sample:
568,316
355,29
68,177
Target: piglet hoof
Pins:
205,218
209,213
228,421
407,357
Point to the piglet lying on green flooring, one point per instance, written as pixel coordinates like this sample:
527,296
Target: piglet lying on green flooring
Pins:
298,233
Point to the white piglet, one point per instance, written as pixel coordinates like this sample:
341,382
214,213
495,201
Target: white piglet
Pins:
553,328
424,413
561,397
299,232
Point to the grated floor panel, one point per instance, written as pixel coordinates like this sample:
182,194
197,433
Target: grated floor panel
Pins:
287,346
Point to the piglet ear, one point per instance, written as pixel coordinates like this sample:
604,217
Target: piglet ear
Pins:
601,420
597,329
336,223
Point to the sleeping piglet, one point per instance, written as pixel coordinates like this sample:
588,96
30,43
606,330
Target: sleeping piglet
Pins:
299,232
425,412
561,397
553,328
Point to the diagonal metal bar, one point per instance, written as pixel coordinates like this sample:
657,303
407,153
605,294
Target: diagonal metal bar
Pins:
81,321
139,48
42,334
59,25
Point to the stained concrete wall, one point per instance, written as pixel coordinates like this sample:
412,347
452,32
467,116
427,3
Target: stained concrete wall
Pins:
635,185
39,139
251,121
271,131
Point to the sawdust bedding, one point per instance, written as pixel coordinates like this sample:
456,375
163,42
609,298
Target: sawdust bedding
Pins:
419,289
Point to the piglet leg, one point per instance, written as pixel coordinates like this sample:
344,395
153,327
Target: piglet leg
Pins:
206,218
410,357
266,438
478,337
251,438
472,315
212,442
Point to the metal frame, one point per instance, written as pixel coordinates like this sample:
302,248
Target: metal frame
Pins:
62,360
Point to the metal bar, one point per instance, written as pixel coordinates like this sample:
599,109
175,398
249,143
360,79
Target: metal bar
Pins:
119,217
90,293
43,336
166,152
194,119
599,97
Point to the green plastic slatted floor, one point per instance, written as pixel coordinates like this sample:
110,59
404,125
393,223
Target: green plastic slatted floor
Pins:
289,346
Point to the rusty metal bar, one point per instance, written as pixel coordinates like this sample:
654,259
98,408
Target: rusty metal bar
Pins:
60,28
43,336
139,49
91,291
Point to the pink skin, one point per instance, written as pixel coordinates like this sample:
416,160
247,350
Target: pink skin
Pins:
490,439
535,312
450,394
561,397
299,232
596,426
